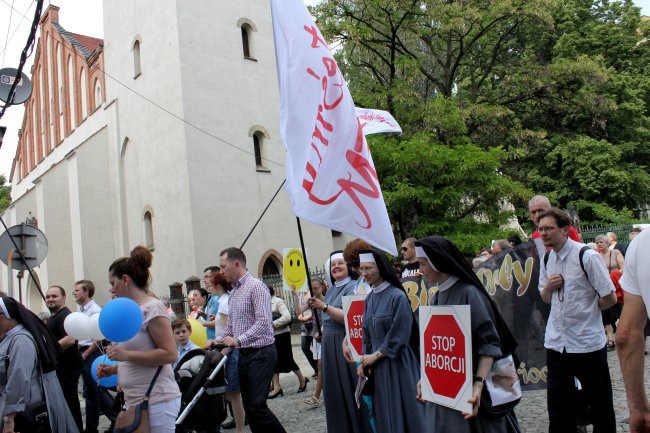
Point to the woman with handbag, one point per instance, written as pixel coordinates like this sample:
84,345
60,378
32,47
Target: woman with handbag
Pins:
310,336
282,334
144,371
307,330
390,344
31,399
443,264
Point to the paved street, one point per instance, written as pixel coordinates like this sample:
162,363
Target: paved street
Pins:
298,417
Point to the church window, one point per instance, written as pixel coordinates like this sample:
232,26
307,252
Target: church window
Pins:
258,141
148,230
136,59
98,93
245,39
73,116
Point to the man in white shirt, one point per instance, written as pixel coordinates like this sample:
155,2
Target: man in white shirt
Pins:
575,338
96,399
630,337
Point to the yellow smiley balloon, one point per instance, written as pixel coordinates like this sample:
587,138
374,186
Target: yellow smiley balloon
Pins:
294,270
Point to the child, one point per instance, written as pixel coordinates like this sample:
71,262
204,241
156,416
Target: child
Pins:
182,330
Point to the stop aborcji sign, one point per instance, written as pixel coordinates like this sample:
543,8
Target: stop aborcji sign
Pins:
446,355
353,313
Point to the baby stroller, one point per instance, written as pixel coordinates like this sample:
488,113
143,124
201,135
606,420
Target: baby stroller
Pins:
200,373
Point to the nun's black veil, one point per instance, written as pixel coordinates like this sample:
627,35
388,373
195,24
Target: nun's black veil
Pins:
48,348
388,274
448,259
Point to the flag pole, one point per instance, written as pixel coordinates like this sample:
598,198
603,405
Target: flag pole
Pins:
263,212
311,290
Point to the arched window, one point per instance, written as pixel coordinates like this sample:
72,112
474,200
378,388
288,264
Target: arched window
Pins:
73,116
270,267
50,90
136,59
258,141
148,230
245,40
41,108
98,93
83,81
59,80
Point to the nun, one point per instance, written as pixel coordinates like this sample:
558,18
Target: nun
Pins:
28,382
339,376
443,264
389,360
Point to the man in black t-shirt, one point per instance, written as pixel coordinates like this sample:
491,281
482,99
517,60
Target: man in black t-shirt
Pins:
70,361
412,266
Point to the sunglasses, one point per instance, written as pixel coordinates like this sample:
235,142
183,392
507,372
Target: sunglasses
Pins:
405,248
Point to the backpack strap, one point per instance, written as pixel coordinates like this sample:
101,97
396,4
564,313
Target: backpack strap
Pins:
547,253
581,256
582,263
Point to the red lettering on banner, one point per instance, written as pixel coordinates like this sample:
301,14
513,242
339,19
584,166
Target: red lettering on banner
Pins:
313,31
333,87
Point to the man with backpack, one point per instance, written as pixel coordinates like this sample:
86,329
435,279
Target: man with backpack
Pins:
574,280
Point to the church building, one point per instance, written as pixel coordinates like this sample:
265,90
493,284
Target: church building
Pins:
166,133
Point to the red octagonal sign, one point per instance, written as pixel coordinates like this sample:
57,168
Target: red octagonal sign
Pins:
444,356
353,314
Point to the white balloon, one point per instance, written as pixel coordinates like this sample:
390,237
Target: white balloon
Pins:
76,326
93,327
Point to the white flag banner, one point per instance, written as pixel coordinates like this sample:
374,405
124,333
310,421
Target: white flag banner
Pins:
377,121
331,178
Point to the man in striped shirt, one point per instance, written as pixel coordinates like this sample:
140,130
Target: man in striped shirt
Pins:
250,329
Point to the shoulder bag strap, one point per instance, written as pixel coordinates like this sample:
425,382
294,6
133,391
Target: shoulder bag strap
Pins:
153,381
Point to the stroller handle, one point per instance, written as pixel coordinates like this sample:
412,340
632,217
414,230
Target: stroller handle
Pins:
198,395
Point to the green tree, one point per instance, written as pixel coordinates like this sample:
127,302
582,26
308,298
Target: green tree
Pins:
5,193
500,98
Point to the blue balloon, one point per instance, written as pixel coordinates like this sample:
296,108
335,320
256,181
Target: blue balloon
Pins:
109,381
120,320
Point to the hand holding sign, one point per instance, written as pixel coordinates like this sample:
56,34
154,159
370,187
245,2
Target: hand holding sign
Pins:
353,315
446,357
293,272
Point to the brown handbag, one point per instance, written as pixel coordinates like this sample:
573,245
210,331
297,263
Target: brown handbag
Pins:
135,419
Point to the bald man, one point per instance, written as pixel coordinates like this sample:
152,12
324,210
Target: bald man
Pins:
539,204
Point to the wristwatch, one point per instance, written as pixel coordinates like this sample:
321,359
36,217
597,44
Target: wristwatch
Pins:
326,307
479,379
6,419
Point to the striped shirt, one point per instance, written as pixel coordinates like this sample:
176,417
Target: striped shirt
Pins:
249,318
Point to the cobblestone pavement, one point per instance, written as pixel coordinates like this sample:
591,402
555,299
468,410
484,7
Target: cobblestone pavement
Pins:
297,417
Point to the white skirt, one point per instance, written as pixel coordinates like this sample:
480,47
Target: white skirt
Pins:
315,349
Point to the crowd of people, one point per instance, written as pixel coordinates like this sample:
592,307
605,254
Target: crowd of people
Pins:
379,392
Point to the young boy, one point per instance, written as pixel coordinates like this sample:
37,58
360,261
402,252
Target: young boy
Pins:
182,330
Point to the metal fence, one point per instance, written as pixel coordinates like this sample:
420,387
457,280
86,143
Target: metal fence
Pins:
276,282
622,231
179,299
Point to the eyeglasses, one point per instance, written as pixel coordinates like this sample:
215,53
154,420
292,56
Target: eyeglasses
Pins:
546,229
364,269
405,248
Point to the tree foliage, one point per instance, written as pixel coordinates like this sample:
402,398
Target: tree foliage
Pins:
5,193
500,99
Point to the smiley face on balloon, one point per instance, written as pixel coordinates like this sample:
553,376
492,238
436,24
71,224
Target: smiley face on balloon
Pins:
294,270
